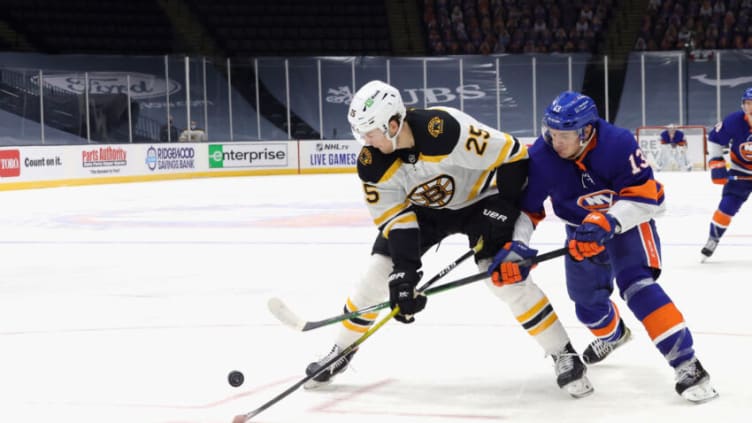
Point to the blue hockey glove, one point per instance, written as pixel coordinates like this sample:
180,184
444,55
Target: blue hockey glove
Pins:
402,293
588,239
504,270
718,171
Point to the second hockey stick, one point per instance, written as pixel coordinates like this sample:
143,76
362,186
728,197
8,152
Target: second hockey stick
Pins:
284,314
483,275
291,319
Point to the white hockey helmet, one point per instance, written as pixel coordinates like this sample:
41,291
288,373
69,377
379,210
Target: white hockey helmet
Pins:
372,107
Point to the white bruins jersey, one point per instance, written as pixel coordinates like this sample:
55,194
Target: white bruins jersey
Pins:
452,165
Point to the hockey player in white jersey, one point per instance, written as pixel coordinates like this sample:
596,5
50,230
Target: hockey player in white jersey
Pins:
427,174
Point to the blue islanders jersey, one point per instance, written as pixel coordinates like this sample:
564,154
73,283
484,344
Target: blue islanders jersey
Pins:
734,132
612,169
677,139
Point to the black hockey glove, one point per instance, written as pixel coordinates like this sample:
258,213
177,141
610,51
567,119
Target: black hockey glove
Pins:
495,224
402,293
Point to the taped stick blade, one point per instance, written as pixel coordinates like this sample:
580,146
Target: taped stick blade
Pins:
283,313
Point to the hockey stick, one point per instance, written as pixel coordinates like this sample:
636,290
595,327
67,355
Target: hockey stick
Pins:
285,315
280,310
243,418
740,178
483,275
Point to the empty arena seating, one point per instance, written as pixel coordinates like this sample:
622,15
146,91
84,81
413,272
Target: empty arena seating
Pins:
297,27
91,26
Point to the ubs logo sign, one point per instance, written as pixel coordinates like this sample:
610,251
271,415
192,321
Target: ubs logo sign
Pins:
411,96
142,85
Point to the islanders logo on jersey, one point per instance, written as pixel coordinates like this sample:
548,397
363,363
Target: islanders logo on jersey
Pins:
597,201
745,150
436,126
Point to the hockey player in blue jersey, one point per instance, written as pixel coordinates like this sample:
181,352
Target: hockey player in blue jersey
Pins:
734,133
673,148
601,186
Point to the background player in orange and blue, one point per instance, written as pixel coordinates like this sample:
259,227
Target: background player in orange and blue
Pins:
734,133
602,187
673,147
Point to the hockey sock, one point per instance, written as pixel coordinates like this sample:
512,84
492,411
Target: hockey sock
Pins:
372,289
530,306
662,320
607,327
719,224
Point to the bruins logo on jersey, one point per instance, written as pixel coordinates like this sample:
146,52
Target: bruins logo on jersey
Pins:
365,158
435,193
436,126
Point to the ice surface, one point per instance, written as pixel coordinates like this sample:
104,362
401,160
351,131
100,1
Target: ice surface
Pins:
132,302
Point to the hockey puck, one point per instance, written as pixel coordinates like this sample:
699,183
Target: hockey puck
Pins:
235,378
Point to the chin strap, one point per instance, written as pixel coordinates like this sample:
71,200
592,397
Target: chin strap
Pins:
393,138
583,145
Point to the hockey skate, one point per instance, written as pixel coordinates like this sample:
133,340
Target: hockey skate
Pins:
708,249
570,373
600,349
693,382
326,376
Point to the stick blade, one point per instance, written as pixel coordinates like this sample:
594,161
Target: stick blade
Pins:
283,313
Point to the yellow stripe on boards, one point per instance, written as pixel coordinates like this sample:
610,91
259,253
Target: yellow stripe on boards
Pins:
12,186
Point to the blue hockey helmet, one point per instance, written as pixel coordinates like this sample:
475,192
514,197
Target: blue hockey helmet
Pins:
747,95
570,111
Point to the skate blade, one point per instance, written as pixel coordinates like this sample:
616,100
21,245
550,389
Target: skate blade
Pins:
579,388
314,384
701,393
